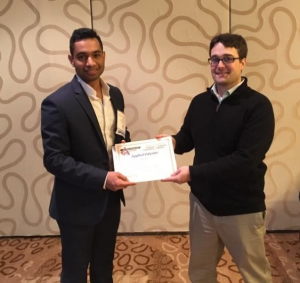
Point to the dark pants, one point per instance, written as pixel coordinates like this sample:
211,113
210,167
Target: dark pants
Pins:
90,245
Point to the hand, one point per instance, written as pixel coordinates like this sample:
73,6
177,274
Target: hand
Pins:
116,181
182,175
163,136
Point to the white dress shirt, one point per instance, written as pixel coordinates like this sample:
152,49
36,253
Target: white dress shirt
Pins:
104,113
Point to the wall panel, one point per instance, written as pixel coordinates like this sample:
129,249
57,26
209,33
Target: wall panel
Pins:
271,29
33,63
156,52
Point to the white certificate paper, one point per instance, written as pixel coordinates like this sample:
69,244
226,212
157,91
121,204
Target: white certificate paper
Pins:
145,160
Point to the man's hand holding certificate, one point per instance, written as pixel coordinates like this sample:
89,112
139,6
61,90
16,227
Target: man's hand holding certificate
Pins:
146,160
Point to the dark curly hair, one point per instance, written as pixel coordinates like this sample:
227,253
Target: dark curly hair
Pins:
231,40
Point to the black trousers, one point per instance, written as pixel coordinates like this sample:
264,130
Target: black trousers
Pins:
90,246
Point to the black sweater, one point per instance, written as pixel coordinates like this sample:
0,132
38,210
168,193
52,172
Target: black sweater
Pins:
230,141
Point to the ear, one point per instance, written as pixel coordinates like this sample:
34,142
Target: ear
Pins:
243,64
71,60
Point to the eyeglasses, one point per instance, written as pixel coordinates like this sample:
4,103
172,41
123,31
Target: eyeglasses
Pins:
225,60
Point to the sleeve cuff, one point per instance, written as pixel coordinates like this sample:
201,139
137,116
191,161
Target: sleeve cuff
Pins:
104,185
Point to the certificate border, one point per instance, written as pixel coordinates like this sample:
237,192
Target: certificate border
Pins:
116,149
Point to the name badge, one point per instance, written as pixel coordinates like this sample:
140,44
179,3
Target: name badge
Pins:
121,124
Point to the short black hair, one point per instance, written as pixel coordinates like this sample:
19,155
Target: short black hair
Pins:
83,33
231,40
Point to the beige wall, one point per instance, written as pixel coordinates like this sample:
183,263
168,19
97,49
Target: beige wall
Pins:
156,52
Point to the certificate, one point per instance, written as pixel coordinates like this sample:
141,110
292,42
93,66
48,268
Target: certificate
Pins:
145,160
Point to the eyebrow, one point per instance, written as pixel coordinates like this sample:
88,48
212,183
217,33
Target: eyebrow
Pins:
93,52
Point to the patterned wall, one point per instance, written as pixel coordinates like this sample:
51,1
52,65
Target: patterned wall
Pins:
156,52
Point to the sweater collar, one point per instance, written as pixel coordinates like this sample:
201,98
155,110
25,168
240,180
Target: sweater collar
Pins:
231,91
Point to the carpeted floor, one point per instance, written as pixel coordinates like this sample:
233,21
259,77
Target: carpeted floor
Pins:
140,259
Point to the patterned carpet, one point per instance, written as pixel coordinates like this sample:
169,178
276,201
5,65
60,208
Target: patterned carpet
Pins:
140,259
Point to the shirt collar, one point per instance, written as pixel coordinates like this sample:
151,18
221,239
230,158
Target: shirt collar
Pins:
90,91
227,93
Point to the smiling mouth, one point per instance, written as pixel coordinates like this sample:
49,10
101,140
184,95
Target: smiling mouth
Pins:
91,71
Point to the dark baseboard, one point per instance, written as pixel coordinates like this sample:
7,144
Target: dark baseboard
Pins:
282,231
152,233
166,233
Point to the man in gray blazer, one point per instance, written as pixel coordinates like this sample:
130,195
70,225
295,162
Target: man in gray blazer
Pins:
80,123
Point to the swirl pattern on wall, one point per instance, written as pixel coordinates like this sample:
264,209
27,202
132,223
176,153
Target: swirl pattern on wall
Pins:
156,53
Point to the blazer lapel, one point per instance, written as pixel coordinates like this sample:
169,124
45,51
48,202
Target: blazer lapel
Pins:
113,103
118,138
83,99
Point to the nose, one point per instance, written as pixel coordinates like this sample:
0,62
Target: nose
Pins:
220,62
90,61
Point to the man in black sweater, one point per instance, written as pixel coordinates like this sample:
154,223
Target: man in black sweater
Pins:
231,127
